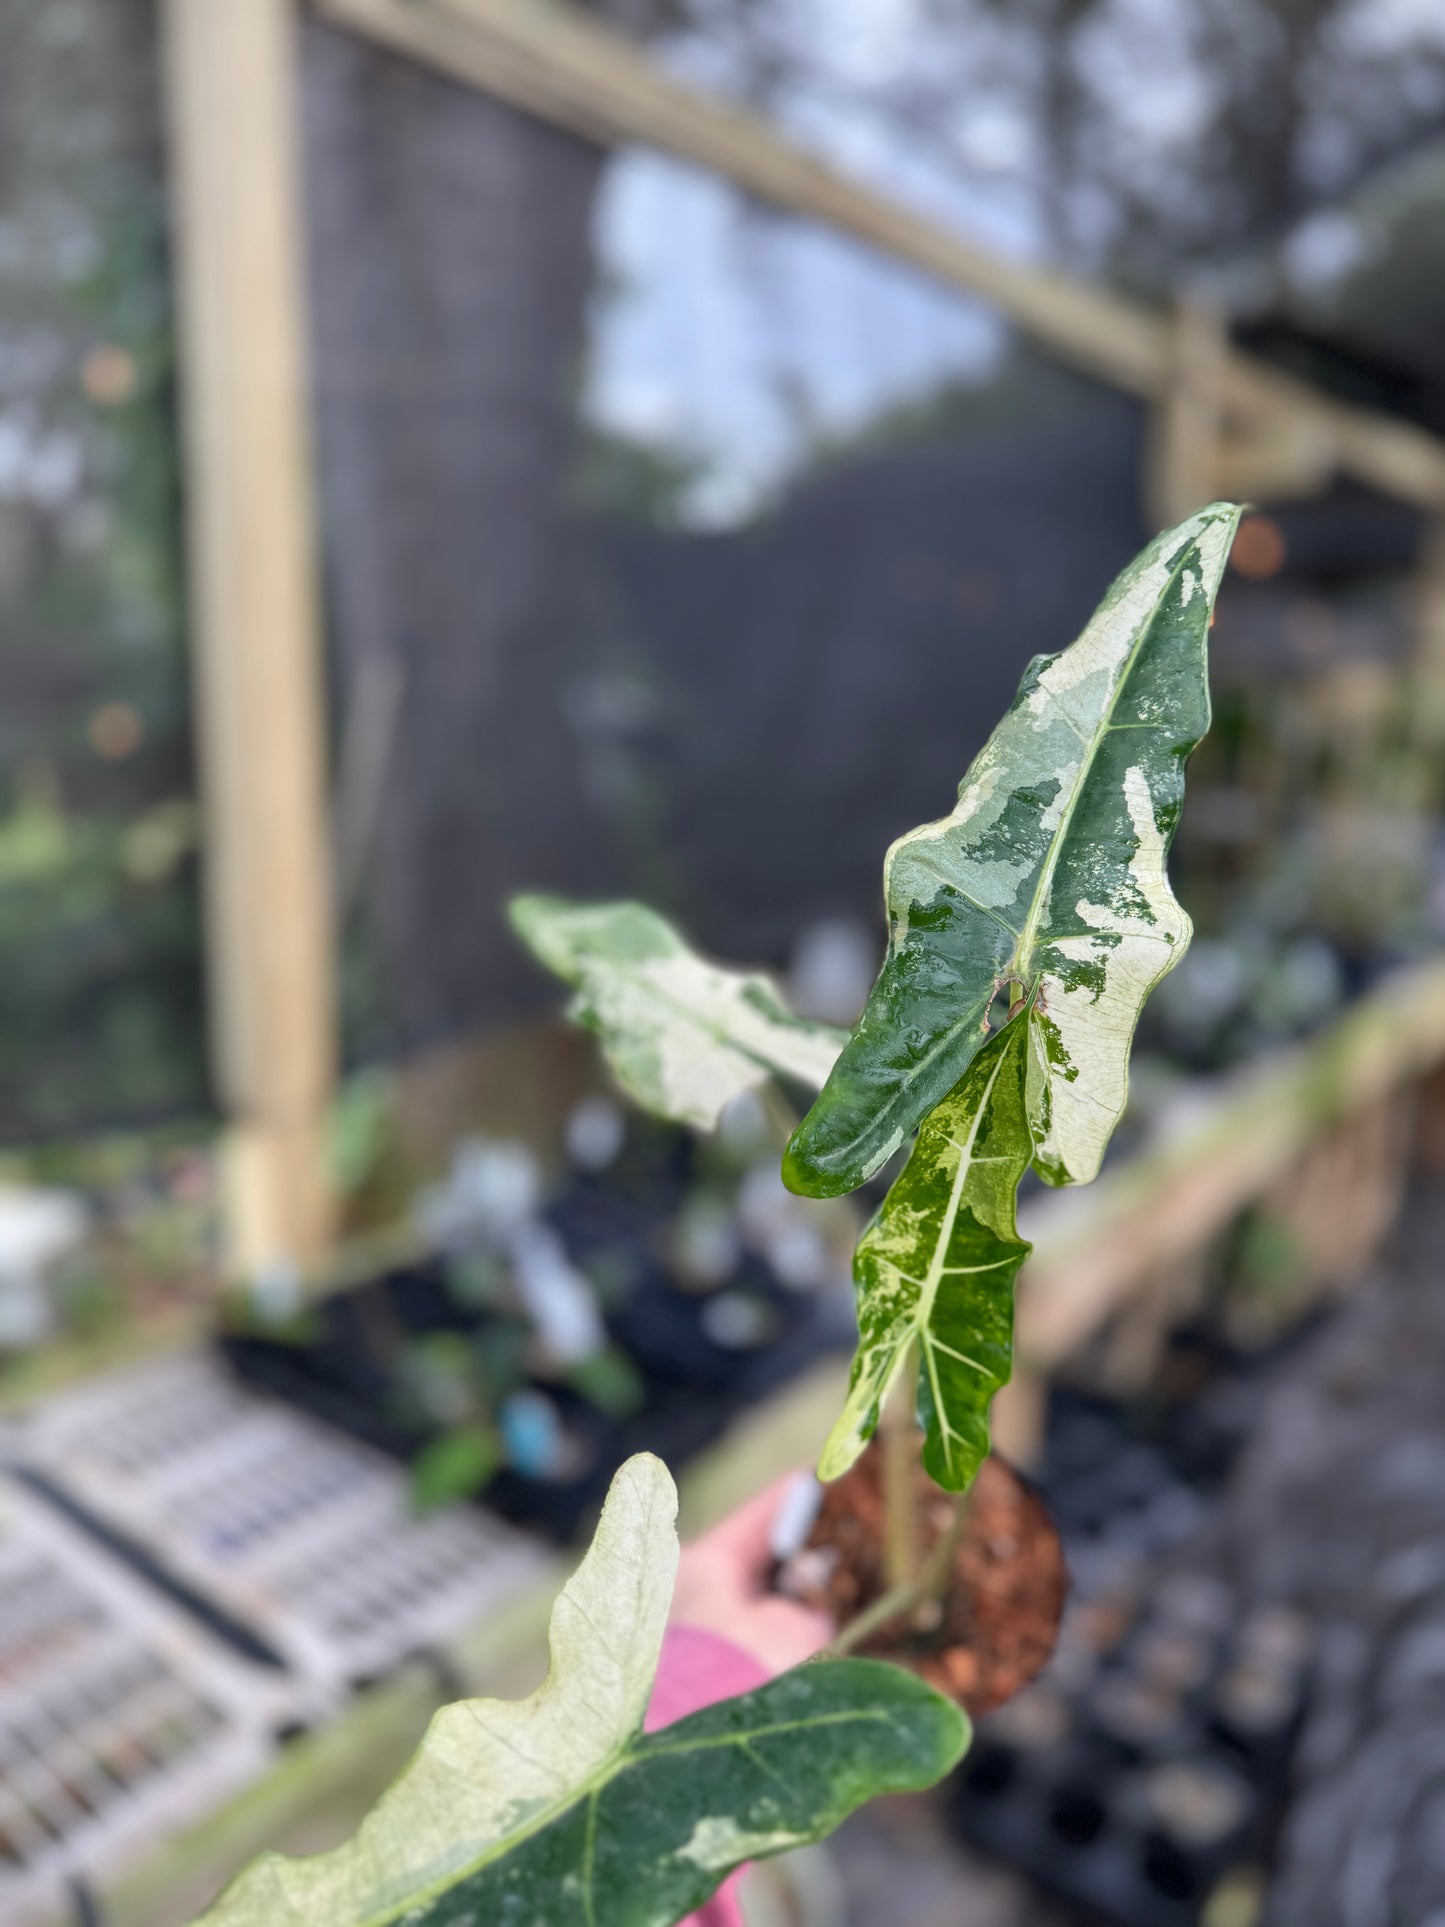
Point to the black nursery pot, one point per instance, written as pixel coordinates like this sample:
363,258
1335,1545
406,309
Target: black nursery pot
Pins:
693,1385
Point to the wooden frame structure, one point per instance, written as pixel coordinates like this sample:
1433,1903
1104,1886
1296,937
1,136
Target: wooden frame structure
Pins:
1225,424
255,617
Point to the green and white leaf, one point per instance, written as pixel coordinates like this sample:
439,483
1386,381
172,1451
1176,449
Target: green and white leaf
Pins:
684,1036
1049,873
936,1269
556,1811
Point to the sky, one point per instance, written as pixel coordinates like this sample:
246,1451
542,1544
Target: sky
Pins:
746,337
743,338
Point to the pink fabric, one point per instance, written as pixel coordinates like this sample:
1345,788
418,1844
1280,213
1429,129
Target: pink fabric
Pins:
696,1669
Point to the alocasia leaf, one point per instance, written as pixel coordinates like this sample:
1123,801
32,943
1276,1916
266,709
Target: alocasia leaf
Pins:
684,1036
936,1268
556,1811
1049,873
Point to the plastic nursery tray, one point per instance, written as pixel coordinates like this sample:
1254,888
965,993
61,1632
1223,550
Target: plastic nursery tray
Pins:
278,1527
1151,1757
120,1720
693,1386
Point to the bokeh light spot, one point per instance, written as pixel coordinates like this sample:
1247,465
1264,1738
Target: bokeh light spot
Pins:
108,375
116,731
1259,548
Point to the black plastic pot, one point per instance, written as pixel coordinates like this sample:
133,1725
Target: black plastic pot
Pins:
693,1384
1163,1762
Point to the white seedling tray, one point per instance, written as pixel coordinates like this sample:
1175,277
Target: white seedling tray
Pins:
288,1528
120,1719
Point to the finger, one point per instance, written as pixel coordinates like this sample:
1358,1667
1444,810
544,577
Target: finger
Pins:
782,1633
744,1535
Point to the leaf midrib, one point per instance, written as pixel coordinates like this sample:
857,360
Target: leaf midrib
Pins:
1043,888
1020,966
928,1294
628,1754
635,975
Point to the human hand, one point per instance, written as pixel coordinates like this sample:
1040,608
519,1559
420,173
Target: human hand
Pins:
722,1587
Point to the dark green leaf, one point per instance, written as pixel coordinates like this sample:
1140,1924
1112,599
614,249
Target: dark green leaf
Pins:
680,1809
455,1466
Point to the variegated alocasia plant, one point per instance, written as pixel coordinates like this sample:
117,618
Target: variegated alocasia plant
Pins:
1046,884
558,1811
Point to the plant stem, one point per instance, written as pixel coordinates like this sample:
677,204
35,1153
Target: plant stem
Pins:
931,1584
893,1605
900,1476
938,1572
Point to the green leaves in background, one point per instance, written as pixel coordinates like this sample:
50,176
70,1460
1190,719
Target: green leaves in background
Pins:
1050,873
683,1036
936,1268
457,1465
556,1810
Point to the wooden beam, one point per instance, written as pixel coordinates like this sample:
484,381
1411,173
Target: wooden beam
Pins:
594,82
1277,457
255,627
551,60
1219,433
1392,456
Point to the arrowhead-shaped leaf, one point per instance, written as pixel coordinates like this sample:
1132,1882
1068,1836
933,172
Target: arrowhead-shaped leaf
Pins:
1050,872
936,1268
684,1036
556,1811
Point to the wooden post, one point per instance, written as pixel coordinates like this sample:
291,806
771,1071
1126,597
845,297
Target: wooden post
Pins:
1187,424
254,618
1208,441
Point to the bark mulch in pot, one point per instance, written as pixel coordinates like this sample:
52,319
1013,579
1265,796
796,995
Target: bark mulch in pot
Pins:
1001,1617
